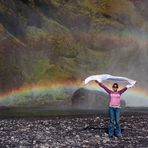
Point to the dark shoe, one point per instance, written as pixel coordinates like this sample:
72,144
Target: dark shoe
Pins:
110,136
119,137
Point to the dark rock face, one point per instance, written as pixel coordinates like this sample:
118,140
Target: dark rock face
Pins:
90,99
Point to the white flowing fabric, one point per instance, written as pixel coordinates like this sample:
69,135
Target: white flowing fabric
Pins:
107,77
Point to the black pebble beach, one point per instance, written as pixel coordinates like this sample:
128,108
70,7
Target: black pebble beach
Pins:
73,132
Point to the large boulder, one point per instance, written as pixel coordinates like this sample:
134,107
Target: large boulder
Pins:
90,99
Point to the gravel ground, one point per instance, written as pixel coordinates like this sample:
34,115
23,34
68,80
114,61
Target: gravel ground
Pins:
73,132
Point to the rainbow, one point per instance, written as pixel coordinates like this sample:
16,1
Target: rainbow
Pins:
37,89
135,97
131,96
124,38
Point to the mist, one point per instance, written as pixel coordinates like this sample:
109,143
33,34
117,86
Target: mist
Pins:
66,41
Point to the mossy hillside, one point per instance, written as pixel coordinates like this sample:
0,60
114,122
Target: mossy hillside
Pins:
44,40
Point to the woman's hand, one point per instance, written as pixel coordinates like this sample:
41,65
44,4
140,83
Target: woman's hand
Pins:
97,81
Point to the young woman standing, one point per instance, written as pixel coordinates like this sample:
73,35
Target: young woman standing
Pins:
114,108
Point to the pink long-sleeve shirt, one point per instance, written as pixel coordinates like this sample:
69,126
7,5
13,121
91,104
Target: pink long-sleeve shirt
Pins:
114,100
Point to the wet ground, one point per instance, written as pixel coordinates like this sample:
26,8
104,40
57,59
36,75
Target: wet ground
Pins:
80,131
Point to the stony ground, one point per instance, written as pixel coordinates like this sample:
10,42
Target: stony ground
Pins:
73,132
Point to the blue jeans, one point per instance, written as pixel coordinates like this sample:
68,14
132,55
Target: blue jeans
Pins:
114,123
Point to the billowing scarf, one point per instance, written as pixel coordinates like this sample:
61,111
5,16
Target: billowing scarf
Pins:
107,77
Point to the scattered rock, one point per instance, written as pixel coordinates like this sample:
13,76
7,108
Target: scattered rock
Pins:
73,132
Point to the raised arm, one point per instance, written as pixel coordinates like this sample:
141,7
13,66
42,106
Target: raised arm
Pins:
122,90
104,87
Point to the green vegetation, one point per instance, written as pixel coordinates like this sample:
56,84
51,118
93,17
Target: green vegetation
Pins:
34,33
52,26
48,97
